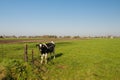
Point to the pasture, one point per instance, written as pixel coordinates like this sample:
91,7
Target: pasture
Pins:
89,59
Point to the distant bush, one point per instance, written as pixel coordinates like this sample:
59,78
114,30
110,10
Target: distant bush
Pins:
76,37
1,37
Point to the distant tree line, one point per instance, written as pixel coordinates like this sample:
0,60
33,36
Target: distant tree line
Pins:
54,36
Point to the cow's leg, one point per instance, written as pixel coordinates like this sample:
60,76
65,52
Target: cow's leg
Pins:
46,58
54,54
50,56
42,57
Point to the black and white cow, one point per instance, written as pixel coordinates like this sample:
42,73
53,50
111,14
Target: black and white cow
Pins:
45,49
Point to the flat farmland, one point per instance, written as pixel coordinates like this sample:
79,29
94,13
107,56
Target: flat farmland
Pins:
81,59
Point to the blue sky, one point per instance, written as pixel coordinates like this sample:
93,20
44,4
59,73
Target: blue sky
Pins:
60,17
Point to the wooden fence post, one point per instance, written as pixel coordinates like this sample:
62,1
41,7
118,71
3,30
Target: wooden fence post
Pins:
2,53
32,56
26,53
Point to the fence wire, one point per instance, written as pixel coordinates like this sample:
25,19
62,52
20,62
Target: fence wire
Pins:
16,51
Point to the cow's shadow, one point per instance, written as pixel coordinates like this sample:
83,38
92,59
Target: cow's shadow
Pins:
57,55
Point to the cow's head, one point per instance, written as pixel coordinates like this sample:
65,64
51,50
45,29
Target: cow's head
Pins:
41,46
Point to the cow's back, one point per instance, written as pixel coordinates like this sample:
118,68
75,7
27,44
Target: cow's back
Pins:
50,46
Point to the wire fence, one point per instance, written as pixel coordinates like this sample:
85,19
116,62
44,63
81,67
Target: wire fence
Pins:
18,51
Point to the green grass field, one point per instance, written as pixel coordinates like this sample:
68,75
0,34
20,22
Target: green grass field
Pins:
90,59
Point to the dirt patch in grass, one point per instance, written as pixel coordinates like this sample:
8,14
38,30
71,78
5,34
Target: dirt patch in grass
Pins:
61,66
6,41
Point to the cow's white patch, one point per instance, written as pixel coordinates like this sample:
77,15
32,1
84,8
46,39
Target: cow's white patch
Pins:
52,42
40,45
